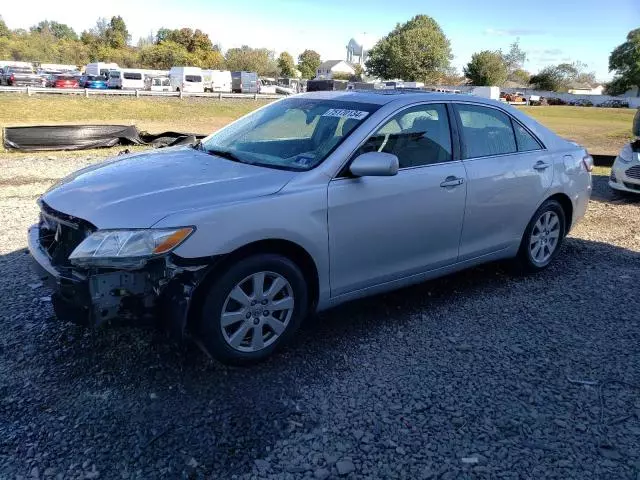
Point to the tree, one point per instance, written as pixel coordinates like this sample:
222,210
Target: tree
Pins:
616,87
359,73
415,51
308,63
520,76
286,65
116,34
514,59
192,40
58,30
342,76
4,30
549,78
163,55
625,62
260,60
560,78
486,68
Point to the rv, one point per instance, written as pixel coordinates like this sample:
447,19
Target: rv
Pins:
244,82
186,79
126,79
100,69
216,80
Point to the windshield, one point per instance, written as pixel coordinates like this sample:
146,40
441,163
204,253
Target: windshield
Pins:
292,134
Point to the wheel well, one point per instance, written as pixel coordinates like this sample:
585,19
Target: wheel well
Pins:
567,206
286,248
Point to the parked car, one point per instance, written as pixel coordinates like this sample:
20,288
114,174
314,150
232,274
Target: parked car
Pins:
50,79
581,102
20,77
267,86
614,104
555,101
66,81
625,172
236,239
93,81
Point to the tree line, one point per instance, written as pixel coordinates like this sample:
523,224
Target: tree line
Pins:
417,50
109,41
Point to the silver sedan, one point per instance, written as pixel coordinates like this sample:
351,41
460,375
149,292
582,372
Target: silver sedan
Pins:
304,204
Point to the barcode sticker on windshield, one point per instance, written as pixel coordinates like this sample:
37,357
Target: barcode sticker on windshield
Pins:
342,113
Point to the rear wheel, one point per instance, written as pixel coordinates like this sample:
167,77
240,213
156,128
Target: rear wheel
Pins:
542,238
253,309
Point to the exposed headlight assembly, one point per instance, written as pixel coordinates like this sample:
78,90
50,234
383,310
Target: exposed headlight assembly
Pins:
127,248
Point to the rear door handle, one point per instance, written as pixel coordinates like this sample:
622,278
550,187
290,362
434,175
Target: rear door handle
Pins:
541,166
452,182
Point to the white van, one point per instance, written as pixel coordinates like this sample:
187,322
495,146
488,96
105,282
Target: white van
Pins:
126,79
157,84
100,69
186,79
216,81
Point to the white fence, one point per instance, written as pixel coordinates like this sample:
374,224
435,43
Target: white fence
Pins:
634,102
88,92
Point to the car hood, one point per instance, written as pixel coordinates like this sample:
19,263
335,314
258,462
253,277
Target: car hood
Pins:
138,190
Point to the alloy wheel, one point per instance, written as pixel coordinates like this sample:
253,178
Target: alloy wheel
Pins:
257,311
544,238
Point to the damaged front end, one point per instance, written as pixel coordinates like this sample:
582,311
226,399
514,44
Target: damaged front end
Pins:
99,277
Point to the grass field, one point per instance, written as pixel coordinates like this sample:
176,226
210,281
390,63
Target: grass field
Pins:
602,130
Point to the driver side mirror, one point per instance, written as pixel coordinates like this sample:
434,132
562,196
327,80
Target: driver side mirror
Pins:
375,164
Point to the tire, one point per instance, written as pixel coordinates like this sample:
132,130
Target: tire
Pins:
252,318
534,256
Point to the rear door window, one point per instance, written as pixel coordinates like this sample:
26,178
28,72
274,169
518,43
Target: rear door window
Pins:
526,142
485,131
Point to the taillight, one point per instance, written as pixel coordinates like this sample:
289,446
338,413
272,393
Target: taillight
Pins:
587,161
12,78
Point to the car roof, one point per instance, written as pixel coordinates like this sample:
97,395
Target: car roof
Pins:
399,96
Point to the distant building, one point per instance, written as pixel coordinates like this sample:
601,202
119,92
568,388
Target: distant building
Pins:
586,89
328,69
358,48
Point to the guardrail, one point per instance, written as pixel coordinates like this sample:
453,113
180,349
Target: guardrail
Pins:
90,92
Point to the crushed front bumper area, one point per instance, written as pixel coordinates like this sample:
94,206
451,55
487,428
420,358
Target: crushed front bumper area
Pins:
160,291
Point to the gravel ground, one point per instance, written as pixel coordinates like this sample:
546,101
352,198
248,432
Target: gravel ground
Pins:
477,375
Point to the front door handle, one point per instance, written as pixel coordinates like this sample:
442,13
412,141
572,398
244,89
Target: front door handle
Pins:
541,166
452,182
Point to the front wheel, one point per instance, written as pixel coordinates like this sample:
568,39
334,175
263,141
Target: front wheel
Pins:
542,238
252,309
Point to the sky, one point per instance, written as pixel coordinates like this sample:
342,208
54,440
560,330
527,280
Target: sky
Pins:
550,31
